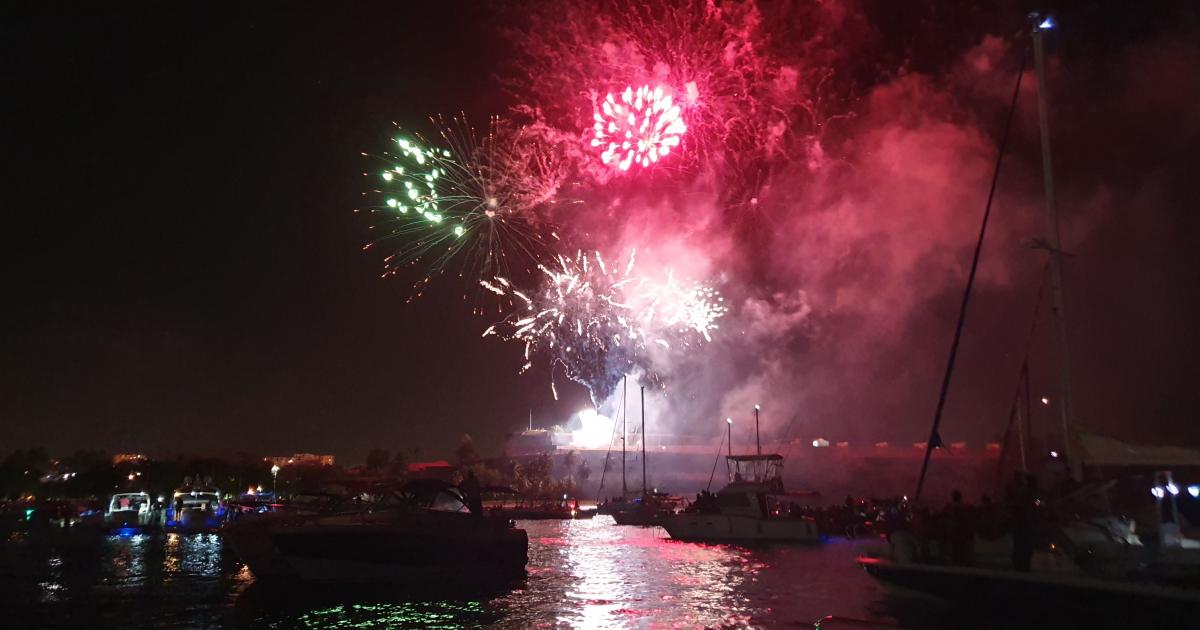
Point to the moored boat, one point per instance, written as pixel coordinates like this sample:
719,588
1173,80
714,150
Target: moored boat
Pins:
420,533
647,510
752,508
541,509
194,508
1067,587
129,512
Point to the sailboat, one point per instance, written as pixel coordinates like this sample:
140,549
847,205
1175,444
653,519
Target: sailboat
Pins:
612,505
650,508
1090,559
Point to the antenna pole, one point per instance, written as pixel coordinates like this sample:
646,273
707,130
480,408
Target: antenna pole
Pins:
757,439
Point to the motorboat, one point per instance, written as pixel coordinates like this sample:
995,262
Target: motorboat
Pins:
129,512
752,508
194,508
419,533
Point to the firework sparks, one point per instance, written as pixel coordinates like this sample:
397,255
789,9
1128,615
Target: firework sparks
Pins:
637,127
689,307
595,319
482,200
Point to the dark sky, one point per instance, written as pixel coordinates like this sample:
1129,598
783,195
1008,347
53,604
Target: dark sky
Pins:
184,269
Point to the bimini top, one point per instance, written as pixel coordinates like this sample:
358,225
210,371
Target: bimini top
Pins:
773,457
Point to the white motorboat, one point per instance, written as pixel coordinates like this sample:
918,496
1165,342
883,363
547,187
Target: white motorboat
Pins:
752,508
195,509
129,512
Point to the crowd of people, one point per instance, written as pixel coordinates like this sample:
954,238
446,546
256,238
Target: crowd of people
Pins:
949,535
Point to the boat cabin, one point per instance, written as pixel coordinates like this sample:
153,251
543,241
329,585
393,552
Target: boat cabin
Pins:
129,502
756,469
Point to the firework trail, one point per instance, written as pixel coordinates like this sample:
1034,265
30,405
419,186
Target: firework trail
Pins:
597,320
478,204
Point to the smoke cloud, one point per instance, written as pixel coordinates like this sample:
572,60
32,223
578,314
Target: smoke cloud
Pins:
837,213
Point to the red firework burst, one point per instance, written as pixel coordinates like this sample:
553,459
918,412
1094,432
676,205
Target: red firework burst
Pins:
638,127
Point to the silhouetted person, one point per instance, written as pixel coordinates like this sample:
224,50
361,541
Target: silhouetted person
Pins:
470,490
962,530
1023,519
987,519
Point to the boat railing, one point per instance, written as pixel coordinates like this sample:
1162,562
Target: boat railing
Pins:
834,621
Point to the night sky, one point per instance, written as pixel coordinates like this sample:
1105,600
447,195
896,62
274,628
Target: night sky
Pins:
184,266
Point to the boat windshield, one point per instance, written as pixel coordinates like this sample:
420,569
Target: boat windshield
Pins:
427,495
198,500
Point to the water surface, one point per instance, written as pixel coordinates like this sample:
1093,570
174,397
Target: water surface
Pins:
581,574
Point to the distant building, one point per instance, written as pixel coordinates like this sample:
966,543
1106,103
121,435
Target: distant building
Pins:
128,458
531,442
439,469
300,459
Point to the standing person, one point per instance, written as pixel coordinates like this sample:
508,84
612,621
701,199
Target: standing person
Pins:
1023,517
962,530
471,492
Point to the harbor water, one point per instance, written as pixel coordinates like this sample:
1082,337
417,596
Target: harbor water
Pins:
581,574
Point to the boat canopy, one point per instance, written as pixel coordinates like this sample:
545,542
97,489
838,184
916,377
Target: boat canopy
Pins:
1099,450
759,468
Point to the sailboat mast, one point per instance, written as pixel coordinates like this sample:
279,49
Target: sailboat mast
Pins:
643,440
624,414
1053,243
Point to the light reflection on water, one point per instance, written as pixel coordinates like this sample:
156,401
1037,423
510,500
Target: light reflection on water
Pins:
585,574
620,577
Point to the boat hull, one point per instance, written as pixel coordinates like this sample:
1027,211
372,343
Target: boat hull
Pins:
970,586
734,528
639,518
402,548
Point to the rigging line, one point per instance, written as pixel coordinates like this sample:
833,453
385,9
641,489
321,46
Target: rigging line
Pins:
715,460
609,451
787,435
934,438
1014,414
